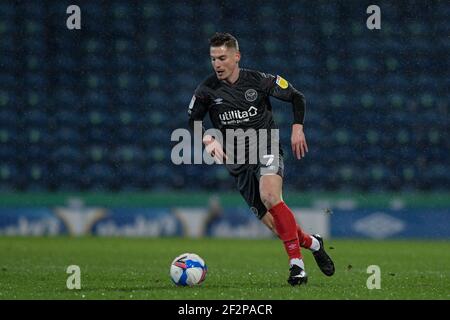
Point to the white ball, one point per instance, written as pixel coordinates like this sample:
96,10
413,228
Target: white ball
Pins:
188,269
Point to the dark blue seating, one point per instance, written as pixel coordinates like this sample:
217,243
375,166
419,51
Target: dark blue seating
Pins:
94,110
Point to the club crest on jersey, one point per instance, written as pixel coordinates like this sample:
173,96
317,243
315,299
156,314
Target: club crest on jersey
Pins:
282,83
251,95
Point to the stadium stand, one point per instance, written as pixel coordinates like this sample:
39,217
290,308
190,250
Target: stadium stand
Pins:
93,109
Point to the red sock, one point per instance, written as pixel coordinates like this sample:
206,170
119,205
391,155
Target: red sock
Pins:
286,228
304,238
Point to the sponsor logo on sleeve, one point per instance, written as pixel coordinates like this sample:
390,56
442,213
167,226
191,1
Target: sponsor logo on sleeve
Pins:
282,83
191,105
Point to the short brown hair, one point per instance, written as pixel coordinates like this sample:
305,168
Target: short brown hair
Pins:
223,39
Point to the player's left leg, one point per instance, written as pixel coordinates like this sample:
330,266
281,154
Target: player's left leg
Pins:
306,240
284,224
316,245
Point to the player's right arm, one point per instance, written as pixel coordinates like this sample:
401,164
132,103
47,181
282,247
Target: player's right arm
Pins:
198,108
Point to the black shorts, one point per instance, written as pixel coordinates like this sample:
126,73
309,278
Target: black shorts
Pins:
247,181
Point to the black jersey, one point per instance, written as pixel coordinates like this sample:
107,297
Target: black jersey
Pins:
244,104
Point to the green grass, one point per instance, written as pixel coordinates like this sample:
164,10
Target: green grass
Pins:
118,268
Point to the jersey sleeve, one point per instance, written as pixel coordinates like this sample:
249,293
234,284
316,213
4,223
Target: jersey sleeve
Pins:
281,89
198,107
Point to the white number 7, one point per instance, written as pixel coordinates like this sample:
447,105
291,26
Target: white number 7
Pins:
271,157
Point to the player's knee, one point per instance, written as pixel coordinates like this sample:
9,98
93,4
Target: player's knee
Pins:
270,199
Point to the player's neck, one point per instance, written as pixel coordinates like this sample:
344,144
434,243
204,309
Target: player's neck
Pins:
233,77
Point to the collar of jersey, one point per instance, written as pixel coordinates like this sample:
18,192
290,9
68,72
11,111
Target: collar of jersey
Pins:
236,82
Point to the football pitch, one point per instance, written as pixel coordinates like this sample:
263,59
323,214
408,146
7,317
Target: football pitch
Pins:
138,268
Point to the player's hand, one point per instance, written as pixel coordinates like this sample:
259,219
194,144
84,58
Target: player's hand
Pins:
298,141
214,148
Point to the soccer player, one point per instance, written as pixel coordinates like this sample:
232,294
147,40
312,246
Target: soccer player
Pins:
238,98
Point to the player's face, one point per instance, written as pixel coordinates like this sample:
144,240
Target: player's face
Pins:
224,61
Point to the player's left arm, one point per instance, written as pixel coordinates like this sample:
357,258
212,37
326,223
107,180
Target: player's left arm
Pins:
281,89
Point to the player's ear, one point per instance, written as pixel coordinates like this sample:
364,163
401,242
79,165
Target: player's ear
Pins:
238,56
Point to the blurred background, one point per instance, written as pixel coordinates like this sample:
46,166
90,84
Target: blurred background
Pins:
86,116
